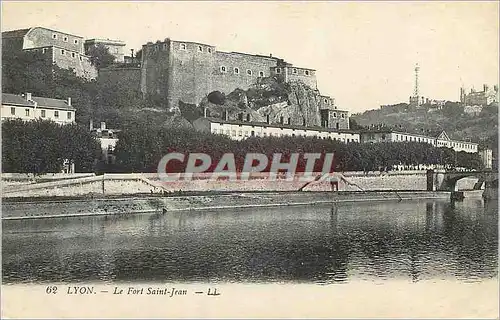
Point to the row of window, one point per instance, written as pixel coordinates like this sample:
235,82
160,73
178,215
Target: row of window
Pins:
252,133
294,71
430,140
65,38
236,70
43,113
199,48
73,54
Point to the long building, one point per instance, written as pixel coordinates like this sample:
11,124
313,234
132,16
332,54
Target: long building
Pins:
28,107
442,140
239,130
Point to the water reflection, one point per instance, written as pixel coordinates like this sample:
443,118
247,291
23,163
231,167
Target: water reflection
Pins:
322,244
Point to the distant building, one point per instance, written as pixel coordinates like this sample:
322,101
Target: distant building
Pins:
480,98
486,156
28,107
239,130
108,139
64,49
473,110
442,140
115,47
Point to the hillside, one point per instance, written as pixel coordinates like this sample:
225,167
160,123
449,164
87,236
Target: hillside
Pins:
482,128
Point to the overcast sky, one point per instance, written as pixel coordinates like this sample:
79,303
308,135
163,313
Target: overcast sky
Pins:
364,52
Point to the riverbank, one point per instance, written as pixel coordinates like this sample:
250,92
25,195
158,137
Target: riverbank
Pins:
18,208
89,185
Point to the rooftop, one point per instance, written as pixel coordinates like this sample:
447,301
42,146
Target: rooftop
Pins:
278,125
20,100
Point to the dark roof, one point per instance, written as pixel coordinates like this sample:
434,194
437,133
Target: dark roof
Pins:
18,100
278,125
15,33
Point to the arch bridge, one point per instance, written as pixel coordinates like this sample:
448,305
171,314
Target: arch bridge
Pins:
441,180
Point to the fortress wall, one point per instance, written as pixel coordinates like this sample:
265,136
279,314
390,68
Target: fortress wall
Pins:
230,80
192,69
299,74
123,77
155,68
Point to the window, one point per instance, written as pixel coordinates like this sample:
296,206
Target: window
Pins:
183,46
56,114
73,55
252,133
335,114
289,120
65,39
69,115
81,58
294,71
248,117
246,133
222,69
54,36
233,133
261,73
62,51
27,112
343,115
200,48
13,111
278,70
326,101
249,72
281,121
43,113
236,70
306,72
44,50
240,133
75,41
209,50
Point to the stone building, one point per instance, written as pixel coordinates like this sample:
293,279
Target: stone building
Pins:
28,107
479,98
189,71
115,47
63,49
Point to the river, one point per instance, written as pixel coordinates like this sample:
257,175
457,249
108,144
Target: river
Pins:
413,240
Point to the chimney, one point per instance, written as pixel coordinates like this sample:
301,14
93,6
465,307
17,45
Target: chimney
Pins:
28,96
205,112
91,124
69,102
485,87
132,53
103,125
270,55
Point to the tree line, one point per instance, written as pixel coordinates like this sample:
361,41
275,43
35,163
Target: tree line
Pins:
43,146
140,149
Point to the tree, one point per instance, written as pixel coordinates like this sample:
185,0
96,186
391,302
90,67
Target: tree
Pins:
100,56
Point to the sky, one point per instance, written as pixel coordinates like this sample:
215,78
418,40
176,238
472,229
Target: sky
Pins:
364,52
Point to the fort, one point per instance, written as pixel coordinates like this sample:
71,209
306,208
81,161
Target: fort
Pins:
188,71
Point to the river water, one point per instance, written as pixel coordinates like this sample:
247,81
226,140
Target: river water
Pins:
412,240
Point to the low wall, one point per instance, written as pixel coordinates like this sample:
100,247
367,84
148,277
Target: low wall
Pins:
50,208
127,184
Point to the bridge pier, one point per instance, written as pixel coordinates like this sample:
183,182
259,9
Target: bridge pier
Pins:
436,180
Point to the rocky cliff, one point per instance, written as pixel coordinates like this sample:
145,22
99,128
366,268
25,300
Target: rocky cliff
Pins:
269,97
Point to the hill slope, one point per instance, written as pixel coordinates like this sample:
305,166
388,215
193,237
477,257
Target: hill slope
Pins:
481,128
